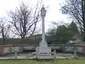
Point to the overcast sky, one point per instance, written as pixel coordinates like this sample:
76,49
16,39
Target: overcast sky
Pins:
52,7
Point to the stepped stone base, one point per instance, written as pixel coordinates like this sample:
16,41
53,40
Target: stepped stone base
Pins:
43,51
45,57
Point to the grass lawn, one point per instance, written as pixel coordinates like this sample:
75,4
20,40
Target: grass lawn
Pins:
70,61
42,62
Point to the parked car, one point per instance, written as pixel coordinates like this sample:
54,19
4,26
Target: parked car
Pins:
71,42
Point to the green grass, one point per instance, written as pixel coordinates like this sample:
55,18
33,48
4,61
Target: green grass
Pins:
42,62
70,61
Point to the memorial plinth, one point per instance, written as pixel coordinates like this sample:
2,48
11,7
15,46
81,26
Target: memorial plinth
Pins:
43,51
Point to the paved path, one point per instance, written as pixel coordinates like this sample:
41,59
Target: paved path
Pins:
30,56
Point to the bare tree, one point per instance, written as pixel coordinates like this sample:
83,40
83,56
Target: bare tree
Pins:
75,9
4,30
24,21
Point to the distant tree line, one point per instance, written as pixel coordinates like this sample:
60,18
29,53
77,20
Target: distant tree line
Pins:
62,34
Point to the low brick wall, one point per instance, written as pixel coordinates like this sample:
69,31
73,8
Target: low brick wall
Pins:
71,48
7,49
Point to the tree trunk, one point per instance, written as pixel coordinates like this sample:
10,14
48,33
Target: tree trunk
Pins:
3,38
83,16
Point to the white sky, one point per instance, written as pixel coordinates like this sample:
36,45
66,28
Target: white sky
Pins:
52,7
